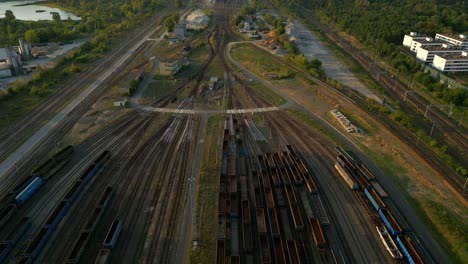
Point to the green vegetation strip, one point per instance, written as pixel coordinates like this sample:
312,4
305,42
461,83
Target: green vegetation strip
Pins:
207,191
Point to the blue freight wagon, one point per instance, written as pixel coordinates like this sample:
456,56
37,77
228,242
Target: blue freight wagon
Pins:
392,225
106,197
6,213
32,187
57,215
74,191
112,234
18,231
374,198
408,250
24,260
5,249
89,173
38,242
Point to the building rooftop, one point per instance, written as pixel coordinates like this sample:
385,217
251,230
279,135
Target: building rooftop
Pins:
455,36
442,48
454,56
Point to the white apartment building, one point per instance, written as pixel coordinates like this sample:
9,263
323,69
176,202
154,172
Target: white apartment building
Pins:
460,40
451,63
412,36
427,54
427,42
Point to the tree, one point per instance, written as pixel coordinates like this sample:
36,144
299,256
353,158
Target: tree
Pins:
56,16
32,36
9,16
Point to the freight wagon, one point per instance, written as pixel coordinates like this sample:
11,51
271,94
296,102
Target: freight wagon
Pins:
5,249
102,158
317,234
310,184
297,218
408,250
247,237
220,251
374,198
88,174
388,242
392,225
78,248
113,234
37,243
346,177
270,202
264,249
106,197
18,231
245,211
103,256
275,229
22,185
279,250
57,215
293,252
261,224
6,214
28,191
379,189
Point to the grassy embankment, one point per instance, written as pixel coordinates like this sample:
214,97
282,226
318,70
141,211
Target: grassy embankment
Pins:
207,194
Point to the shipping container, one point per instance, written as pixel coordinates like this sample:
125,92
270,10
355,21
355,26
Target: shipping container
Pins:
28,191
379,189
113,234
103,256
374,198
392,225
408,250
346,177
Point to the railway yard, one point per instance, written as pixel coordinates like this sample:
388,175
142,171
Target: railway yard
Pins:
284,191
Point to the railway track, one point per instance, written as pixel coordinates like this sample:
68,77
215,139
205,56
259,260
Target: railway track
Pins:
30,124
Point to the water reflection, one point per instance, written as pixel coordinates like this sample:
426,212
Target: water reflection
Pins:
32,12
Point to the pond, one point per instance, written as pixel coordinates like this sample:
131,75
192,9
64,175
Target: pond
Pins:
32,12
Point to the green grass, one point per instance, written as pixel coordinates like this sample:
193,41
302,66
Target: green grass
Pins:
199,53
215,69
207,191
319,127
258,61
160,88
267,93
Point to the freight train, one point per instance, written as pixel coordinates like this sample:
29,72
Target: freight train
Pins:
353,171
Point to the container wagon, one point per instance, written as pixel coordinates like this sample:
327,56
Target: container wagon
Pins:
296,175
317,234
346,177
78,248
279,162
275,177
264,249
28,191
374,198
292,200
243,185
57,215
18,231
392,225
279,250
408,250
113,234
388,242
261,224
103,256
6,214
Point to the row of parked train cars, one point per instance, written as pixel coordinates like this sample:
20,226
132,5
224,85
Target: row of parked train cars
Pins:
385,215
20,194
